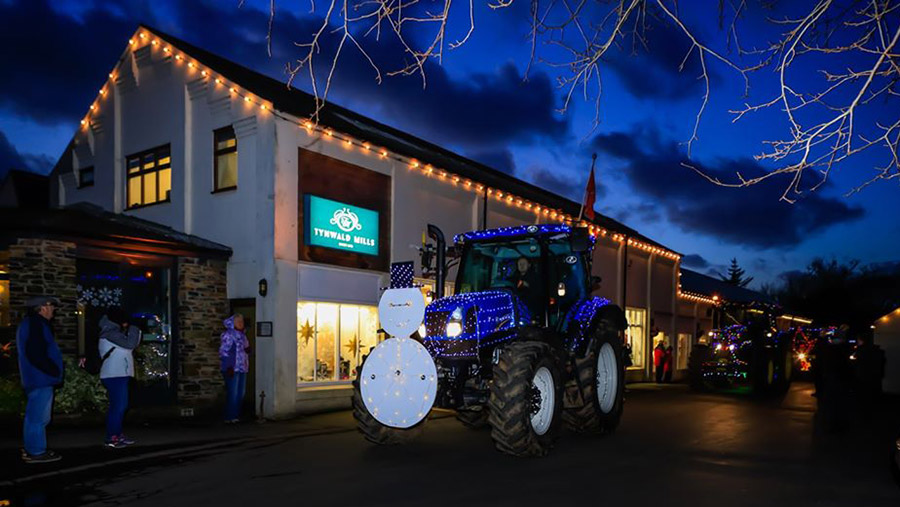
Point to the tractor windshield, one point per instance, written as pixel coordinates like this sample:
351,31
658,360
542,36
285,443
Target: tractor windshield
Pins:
512,265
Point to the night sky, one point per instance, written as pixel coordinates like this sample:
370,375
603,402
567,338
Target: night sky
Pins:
57,55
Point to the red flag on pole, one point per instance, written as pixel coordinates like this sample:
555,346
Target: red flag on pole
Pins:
590,194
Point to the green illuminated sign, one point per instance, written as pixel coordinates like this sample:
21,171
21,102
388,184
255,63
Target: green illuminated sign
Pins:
333,224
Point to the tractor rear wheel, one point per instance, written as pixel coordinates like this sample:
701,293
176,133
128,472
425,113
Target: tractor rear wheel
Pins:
525,399
763,368
374,431
600,385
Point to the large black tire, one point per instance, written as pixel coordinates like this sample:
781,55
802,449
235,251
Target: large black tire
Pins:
475,419
785,365
700,354
763,368
512,399
599,397
374,431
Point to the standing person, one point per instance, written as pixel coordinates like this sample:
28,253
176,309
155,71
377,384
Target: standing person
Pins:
233,352
118,340
667,364
40,368
659,354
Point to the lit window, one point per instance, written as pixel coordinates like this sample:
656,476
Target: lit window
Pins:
333,339
149,178
86,177
635,334
225,159
684,350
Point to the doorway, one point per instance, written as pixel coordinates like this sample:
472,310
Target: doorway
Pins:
247,308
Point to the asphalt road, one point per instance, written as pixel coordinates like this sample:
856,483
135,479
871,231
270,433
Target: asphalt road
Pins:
674,447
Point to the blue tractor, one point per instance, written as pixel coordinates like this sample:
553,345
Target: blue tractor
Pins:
522,346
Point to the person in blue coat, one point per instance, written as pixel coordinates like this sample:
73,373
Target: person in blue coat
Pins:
41,369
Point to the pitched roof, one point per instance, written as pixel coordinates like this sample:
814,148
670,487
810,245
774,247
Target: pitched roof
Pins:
85,221
692,281
303,105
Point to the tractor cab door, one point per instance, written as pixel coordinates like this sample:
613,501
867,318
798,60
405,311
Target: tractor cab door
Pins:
567,280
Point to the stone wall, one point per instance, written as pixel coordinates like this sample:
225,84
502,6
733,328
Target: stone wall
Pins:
43,267
202,306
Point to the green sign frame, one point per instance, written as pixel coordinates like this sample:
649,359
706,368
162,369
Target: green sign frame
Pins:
340,226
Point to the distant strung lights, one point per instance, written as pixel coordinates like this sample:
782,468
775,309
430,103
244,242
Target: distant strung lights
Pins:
697,298
382,153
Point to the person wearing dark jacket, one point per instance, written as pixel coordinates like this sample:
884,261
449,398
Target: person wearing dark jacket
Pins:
118,340
41,369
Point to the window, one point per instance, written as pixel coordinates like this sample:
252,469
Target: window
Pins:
684,350
225,160
86,177
149,178
333,339
635,334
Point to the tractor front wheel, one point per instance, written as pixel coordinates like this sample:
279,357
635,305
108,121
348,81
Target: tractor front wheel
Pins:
525,399
374,431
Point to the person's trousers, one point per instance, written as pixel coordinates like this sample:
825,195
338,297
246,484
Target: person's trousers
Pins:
117,391
235,386
659,374
37,416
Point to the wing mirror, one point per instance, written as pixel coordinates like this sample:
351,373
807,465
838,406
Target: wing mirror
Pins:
580,240
595,282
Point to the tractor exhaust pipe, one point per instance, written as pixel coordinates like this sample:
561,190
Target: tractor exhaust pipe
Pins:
440,275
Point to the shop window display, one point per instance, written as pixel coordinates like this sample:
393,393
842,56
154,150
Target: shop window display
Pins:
635,335
684,350
333,339
144,294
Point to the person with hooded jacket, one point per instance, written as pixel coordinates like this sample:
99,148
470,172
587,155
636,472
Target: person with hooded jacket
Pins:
233,352
118,340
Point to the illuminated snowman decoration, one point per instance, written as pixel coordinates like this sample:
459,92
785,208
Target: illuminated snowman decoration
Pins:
398,381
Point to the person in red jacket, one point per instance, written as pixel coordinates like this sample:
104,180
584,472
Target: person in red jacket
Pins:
659,355
667,364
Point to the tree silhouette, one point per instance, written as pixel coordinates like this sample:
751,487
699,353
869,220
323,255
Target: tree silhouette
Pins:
736,275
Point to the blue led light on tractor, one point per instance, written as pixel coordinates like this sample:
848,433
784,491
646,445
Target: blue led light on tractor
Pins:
509,232
487,318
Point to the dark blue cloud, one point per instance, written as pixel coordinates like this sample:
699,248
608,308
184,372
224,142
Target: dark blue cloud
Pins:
695,261
10,159
752,216
649,65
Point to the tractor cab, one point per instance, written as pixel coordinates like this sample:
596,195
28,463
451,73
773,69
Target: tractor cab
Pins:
547,268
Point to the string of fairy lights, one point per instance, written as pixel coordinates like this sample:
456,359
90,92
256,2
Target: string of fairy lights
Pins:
143,38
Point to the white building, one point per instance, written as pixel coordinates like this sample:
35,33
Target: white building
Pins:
187,139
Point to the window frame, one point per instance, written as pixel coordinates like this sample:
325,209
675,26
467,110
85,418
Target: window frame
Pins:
224,151
81,172
156,169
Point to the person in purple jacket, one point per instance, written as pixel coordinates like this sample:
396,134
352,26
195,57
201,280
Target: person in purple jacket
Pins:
234,354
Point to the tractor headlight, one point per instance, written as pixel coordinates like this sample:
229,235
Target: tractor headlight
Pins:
454,329
422,331
454,325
